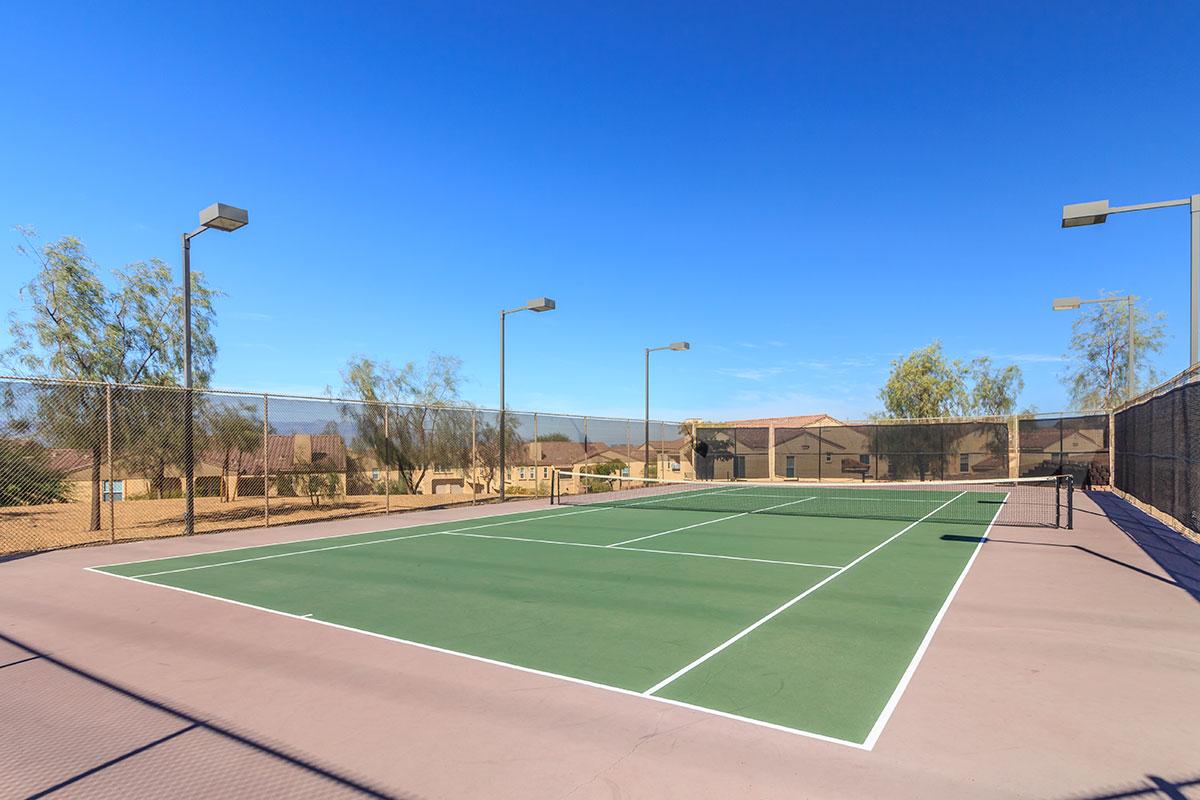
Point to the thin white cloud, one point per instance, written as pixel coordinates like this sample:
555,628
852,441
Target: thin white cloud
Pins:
754,373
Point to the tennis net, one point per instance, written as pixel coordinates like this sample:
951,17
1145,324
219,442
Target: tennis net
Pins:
1039,502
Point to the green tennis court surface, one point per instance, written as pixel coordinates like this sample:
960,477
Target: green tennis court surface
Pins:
805,622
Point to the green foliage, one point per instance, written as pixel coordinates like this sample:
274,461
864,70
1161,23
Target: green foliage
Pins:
1098,352
28,478
231,432
926,384
488,447
421,431
612,467
553,437
75,326
313,479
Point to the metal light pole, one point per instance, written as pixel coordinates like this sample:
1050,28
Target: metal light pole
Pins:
1070,303
222,218
1096,212
649,350
538,304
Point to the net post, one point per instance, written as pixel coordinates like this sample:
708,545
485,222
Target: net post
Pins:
553,479
1070,502
1058,501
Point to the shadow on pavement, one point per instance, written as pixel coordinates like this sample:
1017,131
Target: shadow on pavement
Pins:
1153,788
72,731
1172,551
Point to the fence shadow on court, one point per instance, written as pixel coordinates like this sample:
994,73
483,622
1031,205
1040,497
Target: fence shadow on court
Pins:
1154,787
104,735
1175,553
1086,550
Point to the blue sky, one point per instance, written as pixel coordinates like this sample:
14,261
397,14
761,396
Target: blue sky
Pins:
800,192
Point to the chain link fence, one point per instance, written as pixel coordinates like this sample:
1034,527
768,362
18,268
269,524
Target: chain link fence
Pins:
82,463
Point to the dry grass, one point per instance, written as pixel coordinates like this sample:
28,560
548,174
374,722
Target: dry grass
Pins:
46,527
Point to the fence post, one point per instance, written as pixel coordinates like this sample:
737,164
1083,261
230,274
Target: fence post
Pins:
1112,449
771,452
1014,447
387,464
474,462
266,463
108,425
820,453
537,459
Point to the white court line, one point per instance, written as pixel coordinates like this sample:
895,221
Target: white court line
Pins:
672,497
894,700
644,550
345,546
676,530
484,660
764,620
861,499
327,538
710,522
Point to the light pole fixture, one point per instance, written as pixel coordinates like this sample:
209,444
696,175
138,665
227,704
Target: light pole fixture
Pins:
219,217
1097,211
538,304
649,350
1072,303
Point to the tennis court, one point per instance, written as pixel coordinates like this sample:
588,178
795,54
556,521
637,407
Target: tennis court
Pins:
800,607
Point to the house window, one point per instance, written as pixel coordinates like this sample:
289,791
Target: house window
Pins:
624,472
791,467
829,458
739,466
521,473
964,463
864,458
674,465
545,472
374,474
117,492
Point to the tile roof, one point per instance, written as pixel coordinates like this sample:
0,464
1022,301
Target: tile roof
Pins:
800,421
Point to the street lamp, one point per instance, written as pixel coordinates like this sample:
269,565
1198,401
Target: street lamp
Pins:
649,350
538,304
1072,303
219,217
1097,211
